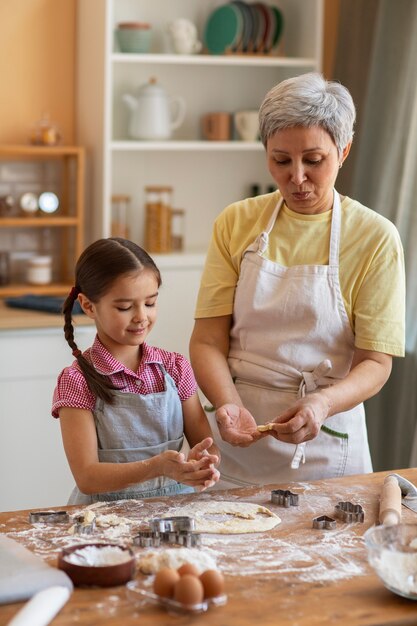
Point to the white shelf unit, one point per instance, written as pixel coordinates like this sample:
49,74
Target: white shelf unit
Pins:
206,176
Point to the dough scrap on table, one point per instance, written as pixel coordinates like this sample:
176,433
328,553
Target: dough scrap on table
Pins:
152,562
240,517
262,428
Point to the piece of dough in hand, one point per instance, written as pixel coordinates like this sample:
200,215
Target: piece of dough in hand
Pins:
264,427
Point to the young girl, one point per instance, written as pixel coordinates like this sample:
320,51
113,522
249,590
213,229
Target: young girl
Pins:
125,406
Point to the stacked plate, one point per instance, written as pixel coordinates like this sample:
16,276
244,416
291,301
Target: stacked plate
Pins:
243,27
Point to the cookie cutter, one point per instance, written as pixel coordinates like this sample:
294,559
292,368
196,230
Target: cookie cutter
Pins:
324,522
349,512
188,540
284,497
81,527
172,524
147,539
48,517
169,530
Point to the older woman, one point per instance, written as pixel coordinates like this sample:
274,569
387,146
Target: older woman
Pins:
301,304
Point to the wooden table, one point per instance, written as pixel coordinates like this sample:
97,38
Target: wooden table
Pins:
292,575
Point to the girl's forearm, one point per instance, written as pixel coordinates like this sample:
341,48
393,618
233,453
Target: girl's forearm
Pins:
104,477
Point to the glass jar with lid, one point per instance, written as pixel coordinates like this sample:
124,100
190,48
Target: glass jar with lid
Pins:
39,271
119,219
158,218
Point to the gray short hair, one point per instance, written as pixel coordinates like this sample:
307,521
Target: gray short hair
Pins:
309,100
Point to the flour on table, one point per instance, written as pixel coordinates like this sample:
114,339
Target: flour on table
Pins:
152,562
228,518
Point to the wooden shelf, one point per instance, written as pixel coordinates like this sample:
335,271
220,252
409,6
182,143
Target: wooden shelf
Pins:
38,222
21,150
53,289
67,225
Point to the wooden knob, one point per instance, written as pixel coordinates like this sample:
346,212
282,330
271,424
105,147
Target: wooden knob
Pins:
390,504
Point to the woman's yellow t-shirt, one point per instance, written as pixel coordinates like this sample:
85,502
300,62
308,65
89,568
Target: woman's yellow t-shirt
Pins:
371,263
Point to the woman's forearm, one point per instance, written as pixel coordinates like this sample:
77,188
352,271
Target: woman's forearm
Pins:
369,373
209,347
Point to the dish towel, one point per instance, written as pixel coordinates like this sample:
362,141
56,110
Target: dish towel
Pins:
22,573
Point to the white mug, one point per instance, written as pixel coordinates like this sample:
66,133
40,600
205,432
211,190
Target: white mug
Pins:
247,125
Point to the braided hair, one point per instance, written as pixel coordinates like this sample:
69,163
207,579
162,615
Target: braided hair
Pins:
98,267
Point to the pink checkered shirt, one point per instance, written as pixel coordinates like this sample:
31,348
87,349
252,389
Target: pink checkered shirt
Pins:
72,390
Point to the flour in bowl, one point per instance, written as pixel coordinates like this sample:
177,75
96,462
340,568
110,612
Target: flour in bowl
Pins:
96,556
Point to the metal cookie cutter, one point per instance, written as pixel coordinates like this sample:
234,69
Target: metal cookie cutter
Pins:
324,522
48,517
172,524
147,539
284,497
81,527
188,540
349,512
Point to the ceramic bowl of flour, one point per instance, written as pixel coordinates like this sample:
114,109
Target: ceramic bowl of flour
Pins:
98,564
392,552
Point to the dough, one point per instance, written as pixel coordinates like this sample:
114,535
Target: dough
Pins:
153,561
264,427
228,518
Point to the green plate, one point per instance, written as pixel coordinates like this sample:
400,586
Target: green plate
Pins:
279,25
223,29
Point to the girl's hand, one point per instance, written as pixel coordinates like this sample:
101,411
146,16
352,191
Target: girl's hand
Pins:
200,450
196,473
302,421
236,425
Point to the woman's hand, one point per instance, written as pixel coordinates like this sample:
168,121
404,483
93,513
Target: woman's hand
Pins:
302,421
198,473
236,425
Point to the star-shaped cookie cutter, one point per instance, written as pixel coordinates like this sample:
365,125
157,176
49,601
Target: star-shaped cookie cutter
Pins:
324,522
284,497
349,512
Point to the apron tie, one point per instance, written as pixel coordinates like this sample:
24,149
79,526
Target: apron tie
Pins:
263,242
310,381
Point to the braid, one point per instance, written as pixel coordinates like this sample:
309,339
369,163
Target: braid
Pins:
97,383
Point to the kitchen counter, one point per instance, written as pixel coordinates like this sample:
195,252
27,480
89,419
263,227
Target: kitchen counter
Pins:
12,319
293,574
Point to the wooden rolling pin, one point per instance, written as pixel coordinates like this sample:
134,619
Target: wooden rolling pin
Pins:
390,504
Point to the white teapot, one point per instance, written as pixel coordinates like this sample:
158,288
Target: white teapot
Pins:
154,114
184,36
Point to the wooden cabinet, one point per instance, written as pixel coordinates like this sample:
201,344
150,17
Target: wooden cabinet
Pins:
59,235
205,176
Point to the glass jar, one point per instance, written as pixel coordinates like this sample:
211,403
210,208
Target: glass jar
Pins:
177,229
4,267
158,219
119,217
39,270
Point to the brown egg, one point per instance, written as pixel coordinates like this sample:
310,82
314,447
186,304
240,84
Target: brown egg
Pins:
213,583
164,582
188,568
189,590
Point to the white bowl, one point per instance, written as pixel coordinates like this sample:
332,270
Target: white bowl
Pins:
392,552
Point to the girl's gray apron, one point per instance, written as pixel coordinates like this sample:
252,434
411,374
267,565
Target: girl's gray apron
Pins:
135,428
291,335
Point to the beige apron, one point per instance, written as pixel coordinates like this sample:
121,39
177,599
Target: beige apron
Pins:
290,335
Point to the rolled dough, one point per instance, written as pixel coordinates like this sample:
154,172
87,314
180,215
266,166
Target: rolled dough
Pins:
228,518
